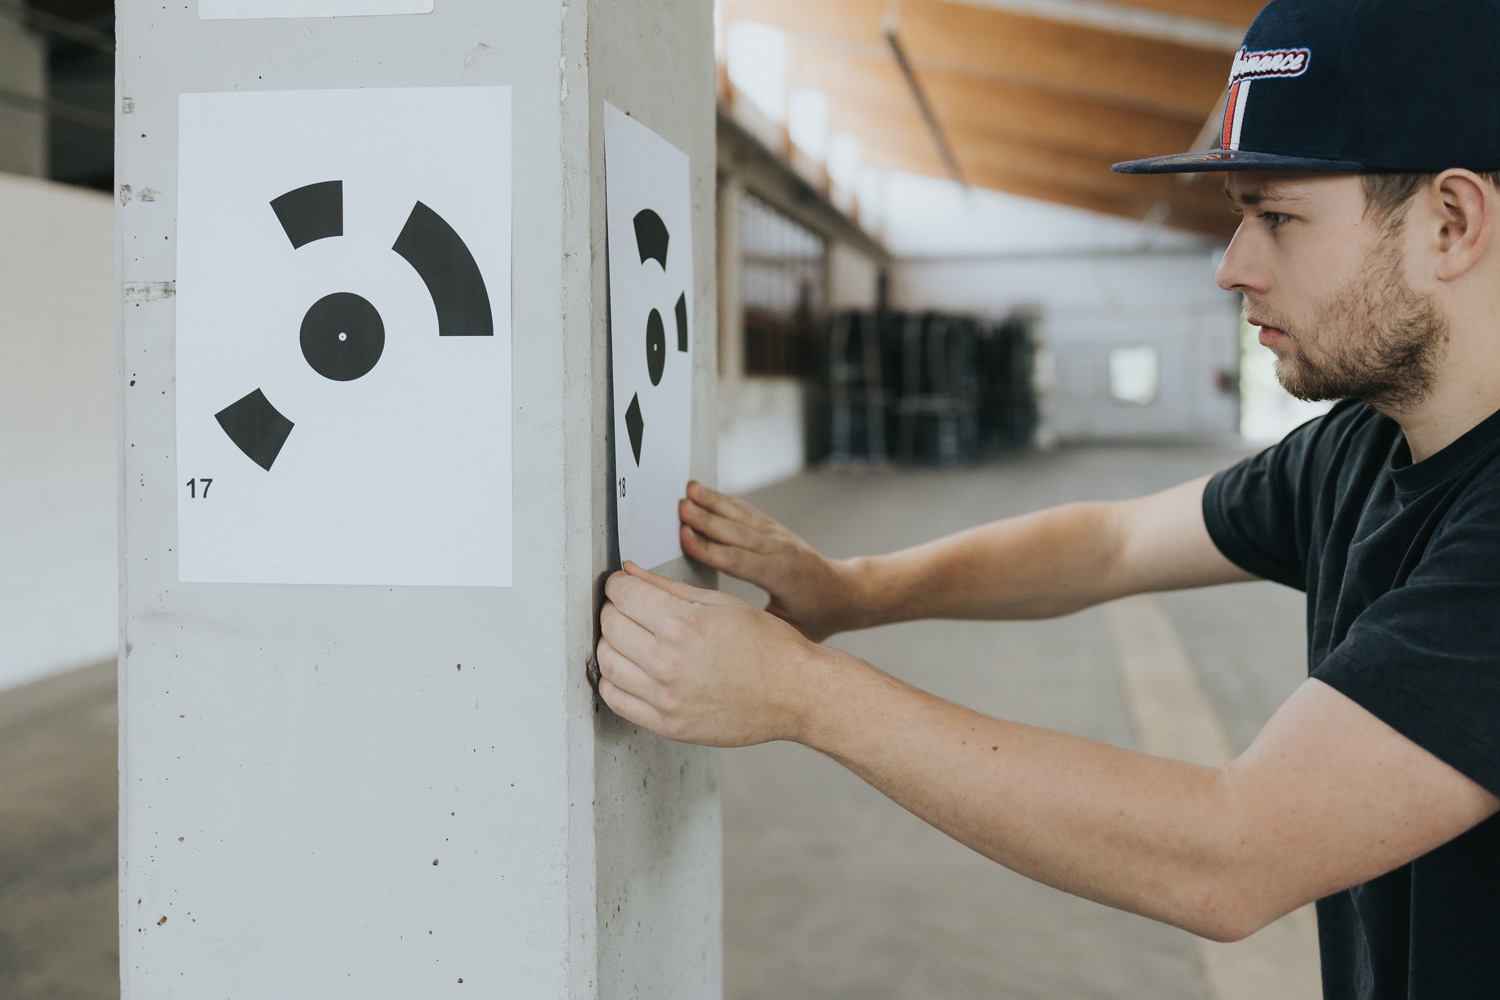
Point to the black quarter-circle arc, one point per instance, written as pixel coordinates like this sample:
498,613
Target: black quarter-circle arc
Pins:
651,237
451,274
312,212
439,256
256,427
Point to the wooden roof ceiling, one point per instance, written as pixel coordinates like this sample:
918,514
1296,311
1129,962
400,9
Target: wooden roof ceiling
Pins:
1030,106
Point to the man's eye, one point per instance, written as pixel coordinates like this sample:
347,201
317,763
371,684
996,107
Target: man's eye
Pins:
1276,219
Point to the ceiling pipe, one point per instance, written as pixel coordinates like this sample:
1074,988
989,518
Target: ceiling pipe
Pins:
1209,136
888,26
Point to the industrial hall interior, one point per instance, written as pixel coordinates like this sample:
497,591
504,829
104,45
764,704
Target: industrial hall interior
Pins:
348,346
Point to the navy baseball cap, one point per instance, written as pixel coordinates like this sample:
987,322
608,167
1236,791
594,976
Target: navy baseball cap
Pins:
1359,85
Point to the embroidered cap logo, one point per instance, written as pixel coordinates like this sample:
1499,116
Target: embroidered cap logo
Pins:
1249,67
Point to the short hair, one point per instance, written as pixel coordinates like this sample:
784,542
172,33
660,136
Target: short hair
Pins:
1386,192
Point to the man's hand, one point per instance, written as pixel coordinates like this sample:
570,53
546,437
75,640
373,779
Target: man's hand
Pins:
818,595
700,666
1041,565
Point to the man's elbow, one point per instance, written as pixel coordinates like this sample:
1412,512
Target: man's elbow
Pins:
1227,911
1227,929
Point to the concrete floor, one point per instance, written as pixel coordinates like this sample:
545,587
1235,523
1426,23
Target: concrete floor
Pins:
58,789
834,892
831,891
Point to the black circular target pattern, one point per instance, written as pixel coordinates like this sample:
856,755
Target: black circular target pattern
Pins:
342,336
656,347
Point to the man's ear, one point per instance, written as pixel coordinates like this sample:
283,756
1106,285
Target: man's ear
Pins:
1462,218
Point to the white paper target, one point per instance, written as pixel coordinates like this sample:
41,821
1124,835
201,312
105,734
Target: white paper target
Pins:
649,211
343,337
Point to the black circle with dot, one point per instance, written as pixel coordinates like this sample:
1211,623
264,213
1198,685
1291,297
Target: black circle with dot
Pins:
342,336
656,347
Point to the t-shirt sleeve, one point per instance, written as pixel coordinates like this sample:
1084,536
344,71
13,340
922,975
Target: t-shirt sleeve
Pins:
1256,512
1425,656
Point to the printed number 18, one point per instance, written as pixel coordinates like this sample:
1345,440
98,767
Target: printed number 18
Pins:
192,485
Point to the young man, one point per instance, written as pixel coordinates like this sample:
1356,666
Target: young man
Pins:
1357,143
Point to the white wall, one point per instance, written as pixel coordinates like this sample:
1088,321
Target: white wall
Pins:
762,436
1088,304
1095,283
57,429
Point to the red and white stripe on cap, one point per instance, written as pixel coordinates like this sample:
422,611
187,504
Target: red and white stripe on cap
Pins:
1249,67
1234,113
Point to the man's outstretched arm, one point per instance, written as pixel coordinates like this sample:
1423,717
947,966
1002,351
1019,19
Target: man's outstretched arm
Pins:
1036,566
1327,797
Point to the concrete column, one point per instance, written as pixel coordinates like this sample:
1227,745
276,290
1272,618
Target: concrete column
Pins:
23,86
396,792
731,274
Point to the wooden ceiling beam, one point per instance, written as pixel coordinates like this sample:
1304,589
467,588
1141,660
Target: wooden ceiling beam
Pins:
1019,49
972,147
1032,174
1238,13
864,88
1078,172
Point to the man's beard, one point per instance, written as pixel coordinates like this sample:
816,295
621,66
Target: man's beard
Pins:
1380,339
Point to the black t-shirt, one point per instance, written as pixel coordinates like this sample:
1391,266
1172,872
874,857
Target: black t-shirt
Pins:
1401,565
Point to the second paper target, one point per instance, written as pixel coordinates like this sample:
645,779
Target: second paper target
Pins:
649,208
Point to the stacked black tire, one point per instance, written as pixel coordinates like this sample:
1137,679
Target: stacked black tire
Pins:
927,388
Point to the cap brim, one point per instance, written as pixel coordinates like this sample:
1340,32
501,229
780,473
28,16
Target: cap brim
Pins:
1215,160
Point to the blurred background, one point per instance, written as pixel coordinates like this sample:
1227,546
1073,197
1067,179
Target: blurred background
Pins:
937,307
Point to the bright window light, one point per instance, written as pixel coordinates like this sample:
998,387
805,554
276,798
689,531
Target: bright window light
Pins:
1135,374
757,66
871,193
843,160
807,122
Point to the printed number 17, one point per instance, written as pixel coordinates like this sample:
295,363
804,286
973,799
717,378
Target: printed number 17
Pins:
192,485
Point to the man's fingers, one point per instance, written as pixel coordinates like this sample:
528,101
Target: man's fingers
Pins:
727,506
720,528
731,559
676,588
624,673
629,707
629,637
640,599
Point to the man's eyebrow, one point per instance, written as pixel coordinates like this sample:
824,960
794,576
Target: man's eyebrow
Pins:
1267,193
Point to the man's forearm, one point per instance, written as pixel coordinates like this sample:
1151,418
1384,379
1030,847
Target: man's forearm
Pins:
1040,565
1144,834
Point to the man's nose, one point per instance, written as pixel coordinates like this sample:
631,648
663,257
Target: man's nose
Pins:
1240,269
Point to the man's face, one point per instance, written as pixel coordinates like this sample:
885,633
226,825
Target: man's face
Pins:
1327,286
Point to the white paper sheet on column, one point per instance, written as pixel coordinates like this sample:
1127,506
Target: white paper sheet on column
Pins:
649,211
343,337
